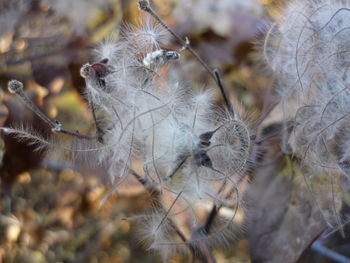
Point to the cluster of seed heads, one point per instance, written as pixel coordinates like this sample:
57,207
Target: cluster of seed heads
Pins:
190,150
308,49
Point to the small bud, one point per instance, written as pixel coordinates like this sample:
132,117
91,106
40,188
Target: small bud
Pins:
202,158
101,69
186,46
15,86
204,144
144,5
171,55
206,136
158,58
57,127
84,70
104,61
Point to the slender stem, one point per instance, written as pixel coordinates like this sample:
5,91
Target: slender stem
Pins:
210,219
146,184
30,104
318,247
215,209
168,211
180,234
99,130
265,113
32,57
138,177
178,166
77,134
55,126
93,111
222,90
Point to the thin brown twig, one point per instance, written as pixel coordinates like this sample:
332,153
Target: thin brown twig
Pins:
13,62
222,90
55,126
77,134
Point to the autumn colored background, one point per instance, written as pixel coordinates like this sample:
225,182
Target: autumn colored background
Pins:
49,208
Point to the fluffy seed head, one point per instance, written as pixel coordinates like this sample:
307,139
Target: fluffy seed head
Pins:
15,86
308,50
84,70
146,37
184,144
144,5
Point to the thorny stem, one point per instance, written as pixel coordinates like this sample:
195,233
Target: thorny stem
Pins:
186,46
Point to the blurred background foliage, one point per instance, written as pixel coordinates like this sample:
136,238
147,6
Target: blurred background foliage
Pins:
49,209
